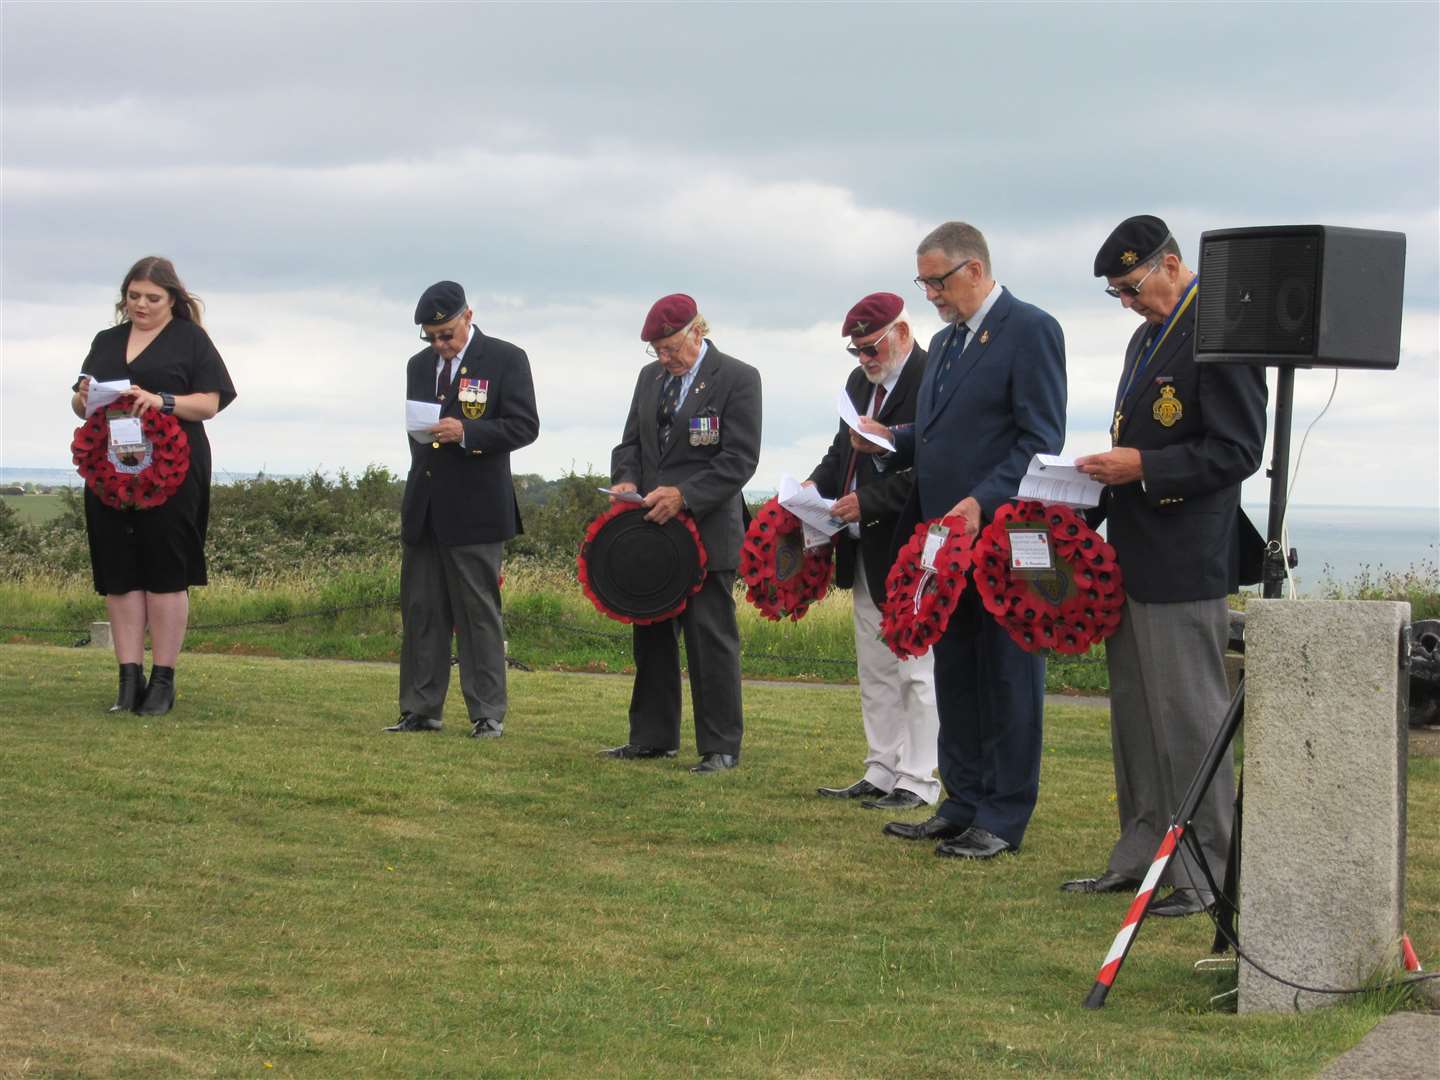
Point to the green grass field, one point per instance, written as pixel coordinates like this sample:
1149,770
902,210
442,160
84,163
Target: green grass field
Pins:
35,509
263,884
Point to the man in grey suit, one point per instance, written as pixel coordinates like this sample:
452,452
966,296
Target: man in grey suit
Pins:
691,442
1184,437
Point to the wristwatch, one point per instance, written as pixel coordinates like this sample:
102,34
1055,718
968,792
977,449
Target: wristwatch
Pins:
167,402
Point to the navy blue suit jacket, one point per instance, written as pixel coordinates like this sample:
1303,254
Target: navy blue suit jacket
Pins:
1002,402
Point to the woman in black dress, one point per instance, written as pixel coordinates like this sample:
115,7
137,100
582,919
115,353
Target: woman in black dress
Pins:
144,561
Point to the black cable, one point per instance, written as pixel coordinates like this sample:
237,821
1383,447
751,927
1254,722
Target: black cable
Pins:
1234,943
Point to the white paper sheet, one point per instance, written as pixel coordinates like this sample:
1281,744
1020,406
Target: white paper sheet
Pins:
1055,479
809,506
622,496
103,394
420,417
846,408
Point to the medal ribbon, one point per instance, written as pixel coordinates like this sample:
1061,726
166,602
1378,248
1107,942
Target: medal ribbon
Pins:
1142,361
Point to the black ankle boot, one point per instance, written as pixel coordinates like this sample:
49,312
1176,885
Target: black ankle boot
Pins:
160,695
132,687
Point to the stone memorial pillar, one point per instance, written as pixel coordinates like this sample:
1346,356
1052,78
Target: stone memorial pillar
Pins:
1322,881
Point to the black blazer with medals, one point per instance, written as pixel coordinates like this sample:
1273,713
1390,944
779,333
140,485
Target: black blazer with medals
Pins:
711,476
467,490
1182,535
882,494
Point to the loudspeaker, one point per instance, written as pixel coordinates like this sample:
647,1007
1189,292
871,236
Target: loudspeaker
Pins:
1300,295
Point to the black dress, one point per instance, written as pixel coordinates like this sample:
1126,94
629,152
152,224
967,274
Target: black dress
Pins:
163,549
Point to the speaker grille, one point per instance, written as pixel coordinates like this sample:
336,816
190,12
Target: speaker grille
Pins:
1258,294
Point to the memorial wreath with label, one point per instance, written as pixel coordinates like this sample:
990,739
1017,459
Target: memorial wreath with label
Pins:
1048,578
142,475
783,578
924,586
636,571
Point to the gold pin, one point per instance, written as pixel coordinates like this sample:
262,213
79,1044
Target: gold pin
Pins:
463,371
984,337
1129,258
434,446
1167,408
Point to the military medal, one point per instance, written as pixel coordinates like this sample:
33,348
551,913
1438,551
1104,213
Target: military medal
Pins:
1115,428
472,395
704,430
1167,408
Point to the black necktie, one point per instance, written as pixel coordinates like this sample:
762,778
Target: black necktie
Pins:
442,382
953,348
669,400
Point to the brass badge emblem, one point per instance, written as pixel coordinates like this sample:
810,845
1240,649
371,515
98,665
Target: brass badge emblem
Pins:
1129,258
984,337
1167,408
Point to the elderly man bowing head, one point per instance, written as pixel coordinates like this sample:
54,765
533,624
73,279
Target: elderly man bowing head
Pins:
691,442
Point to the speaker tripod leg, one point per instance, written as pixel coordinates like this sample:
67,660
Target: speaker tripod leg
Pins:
1179,823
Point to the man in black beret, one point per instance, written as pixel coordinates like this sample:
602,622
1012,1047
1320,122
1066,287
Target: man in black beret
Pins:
458,511
1184,436
691,442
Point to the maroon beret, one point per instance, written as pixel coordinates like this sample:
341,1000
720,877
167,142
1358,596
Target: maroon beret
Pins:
668,315
877,310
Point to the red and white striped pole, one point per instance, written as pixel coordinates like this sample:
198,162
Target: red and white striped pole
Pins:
1178,824
1133,918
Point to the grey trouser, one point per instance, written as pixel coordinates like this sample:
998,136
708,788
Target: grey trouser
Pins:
1168,696
444,590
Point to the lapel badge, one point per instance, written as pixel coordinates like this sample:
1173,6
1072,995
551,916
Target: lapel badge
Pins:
1167,408
463,371
700,387
1129,258
984,337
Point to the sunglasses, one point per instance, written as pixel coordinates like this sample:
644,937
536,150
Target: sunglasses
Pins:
444,337
873,349
1118,291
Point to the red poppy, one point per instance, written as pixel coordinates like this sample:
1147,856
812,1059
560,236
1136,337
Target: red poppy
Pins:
582,567
782,578
909,623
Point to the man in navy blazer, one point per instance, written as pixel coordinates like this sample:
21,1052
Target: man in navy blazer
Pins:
993,396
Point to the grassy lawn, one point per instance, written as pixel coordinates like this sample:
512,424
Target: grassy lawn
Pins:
262,884
35,509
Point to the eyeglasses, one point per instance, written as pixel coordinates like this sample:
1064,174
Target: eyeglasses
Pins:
443,337
663,352
873,349
938,283
1118,291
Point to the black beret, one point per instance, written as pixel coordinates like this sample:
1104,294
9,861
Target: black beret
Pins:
439,303
1134,241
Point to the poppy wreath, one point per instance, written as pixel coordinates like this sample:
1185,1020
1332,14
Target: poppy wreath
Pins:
918,602
582,567
152,485
782,578
1091,608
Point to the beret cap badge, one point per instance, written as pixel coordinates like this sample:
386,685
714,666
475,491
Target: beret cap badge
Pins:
1129,258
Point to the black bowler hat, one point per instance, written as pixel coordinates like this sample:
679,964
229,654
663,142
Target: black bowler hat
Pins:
440,303
1134,241
636,571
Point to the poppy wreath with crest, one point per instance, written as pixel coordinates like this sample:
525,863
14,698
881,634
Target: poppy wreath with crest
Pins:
1091,608
582,567
143,490
919,602
782,577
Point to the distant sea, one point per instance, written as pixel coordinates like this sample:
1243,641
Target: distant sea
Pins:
1335,542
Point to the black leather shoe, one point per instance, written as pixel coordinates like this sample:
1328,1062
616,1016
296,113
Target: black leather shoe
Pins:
1109,881
899,799
630,752
1180,903
861,789
486,729
932,828
716,763
160,694
132,688
975,843
411,722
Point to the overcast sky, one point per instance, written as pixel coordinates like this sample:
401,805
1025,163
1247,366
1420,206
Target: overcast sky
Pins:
311,168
